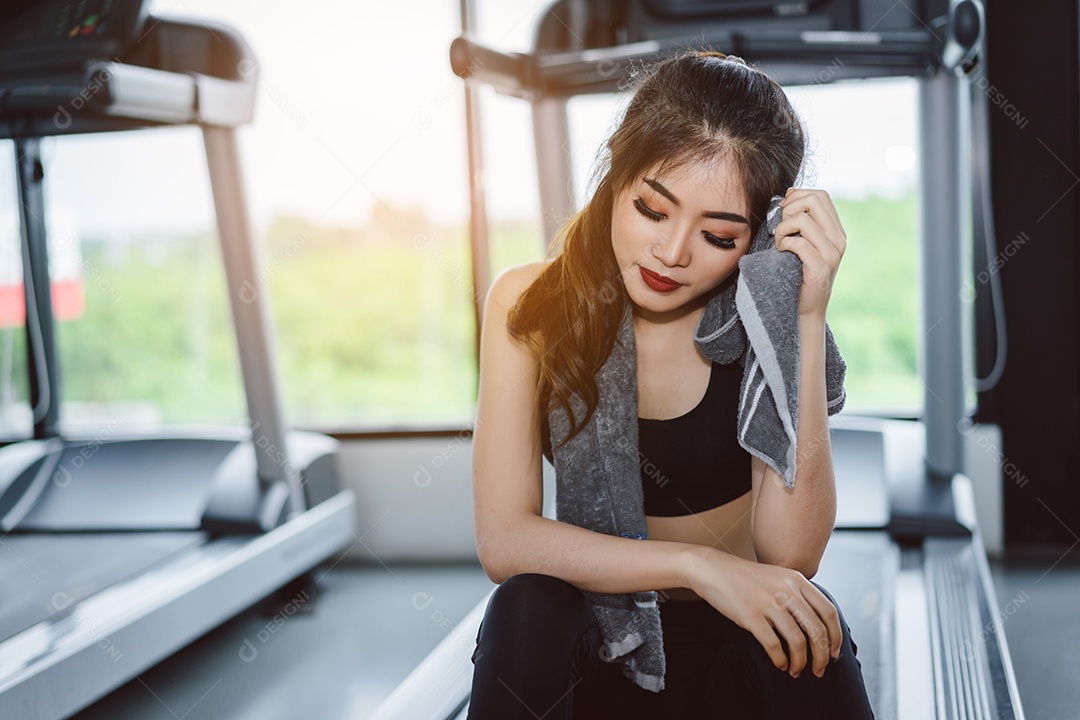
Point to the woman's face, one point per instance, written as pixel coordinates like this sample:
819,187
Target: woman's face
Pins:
678,236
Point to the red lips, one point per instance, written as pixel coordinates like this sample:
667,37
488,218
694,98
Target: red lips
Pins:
658,282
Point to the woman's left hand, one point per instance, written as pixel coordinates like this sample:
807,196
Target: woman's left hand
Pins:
811,215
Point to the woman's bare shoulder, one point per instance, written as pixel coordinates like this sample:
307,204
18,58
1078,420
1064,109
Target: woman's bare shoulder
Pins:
509,284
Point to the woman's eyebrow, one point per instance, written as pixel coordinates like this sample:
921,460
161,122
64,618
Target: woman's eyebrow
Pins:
662,190
715,214
721,215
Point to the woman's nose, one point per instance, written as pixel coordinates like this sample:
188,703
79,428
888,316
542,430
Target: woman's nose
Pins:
672,249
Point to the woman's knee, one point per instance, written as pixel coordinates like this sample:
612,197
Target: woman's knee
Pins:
538,596
844,627
533,605
534,648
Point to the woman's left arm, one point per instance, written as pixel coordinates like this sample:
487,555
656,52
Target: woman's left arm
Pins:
792,527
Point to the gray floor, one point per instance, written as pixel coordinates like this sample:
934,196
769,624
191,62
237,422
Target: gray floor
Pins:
372,625
365,635
1038,597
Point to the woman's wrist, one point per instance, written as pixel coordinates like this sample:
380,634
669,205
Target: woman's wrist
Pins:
700,562
812,319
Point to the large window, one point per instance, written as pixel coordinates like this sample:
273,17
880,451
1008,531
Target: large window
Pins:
143,330
863,138
355,171
357,182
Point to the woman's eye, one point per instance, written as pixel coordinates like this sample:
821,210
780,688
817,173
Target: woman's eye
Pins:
726,243
647,211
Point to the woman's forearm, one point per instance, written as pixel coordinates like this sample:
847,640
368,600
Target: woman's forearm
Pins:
792,527
588,560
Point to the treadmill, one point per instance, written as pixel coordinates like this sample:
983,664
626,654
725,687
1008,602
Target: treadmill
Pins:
119,550
906,560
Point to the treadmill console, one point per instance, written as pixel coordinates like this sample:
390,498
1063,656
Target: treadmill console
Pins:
51,34
714,9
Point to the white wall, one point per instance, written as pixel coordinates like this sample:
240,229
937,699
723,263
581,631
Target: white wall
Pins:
415,498
415,495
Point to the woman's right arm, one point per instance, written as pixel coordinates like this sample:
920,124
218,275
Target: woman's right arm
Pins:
512,535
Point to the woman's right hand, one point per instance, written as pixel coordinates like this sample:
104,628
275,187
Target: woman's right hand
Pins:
770,602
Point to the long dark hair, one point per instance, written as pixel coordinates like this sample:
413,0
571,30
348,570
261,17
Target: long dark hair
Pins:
690,107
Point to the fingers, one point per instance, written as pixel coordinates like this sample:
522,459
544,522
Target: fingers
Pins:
806,633
796,624
763,630
817,630
818,204
827,612
829,248
817,272
815,250
811,229
797,649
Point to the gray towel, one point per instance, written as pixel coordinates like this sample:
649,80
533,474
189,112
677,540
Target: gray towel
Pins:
766,300
598,478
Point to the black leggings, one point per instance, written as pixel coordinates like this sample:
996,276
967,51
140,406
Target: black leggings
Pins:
538,657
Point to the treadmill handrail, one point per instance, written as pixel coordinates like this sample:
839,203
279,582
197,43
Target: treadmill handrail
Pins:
134,92
508,73
590,70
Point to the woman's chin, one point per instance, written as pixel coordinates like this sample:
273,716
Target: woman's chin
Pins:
673,304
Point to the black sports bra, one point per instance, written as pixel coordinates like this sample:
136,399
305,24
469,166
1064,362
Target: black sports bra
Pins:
694,462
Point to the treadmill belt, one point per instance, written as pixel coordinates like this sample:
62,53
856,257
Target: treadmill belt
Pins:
45,575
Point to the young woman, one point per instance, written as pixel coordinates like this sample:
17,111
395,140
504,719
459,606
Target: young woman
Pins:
704,144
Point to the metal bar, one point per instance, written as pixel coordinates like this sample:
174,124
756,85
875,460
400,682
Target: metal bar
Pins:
506,72
40,335
551,131
997,644
790,57
914,675
478,227
254,332
973,677
943,237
